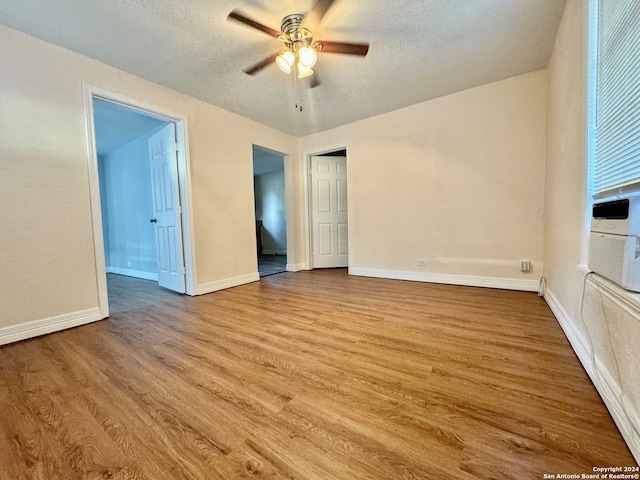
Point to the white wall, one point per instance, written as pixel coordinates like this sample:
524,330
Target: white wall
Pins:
270,208
604,329
457,181
131,245
49,275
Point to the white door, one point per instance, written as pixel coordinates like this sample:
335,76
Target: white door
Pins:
166,209
329,214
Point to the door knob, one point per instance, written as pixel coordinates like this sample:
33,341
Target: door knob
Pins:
153,220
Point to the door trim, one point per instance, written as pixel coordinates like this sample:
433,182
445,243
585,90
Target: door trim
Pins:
184,180
308,227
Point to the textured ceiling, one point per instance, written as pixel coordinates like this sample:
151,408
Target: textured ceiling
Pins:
420,49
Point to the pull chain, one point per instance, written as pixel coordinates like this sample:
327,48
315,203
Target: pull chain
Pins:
297,88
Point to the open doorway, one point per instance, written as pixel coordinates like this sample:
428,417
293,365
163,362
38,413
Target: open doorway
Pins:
138,172
270,211
122,137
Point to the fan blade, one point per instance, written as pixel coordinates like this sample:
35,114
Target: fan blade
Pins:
262,64
318,11
239,17
341,47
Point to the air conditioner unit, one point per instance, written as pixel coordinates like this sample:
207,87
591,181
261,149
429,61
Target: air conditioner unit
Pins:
614,241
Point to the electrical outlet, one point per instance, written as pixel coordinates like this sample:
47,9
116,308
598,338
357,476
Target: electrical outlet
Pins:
422,262
525,266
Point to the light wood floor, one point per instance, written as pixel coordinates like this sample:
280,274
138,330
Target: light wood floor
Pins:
308,375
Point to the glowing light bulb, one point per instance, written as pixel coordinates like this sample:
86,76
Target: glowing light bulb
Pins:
285,61
307,56
304,71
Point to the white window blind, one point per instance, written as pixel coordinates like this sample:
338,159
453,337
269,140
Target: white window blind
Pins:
617,141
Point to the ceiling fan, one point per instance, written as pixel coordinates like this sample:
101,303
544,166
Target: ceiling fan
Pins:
301,51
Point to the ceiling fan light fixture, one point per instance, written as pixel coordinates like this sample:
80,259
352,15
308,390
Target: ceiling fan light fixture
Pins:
307,57
285,61
304,71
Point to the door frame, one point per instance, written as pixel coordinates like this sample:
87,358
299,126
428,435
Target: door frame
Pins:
308,199
184,183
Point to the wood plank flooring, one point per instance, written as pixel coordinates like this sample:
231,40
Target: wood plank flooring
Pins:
308,375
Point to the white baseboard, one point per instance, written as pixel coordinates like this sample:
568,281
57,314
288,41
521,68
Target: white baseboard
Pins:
575,337
608,388
296,267
466,280
23,331
133,273
205,288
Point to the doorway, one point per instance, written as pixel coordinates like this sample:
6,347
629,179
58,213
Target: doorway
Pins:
124,188
270,211
122,137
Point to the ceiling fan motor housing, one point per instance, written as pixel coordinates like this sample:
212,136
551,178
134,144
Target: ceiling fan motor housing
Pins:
294,36
291,23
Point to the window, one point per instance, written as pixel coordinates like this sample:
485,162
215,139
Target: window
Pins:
616,162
